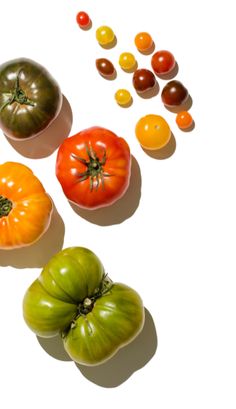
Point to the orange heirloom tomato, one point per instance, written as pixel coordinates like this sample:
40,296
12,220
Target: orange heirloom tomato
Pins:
25,207
93,167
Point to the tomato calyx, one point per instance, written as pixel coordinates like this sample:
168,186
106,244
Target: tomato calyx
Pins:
5,206
17,95
94,171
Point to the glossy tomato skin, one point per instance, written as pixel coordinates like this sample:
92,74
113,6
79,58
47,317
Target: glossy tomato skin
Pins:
74,298
30,99
163,62
105,67
93,168
174,93
152,132
143,80
28,206
116,319
83,19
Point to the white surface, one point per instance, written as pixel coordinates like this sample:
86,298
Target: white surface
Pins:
175,246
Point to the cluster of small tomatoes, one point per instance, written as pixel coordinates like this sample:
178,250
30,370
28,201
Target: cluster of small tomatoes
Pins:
152,131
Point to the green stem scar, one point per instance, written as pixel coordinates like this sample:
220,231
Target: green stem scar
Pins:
17,95
5,206
94,171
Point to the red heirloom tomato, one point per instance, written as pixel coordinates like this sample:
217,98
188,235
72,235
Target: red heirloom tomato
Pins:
25,207
93,167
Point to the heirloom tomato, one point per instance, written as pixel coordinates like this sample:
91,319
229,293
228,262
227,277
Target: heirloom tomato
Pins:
30,99
93,167
25,207
73,297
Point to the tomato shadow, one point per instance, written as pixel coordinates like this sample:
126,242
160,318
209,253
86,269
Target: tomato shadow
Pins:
170,75
39,253
165,152
119,368
122,209
48,141
183,107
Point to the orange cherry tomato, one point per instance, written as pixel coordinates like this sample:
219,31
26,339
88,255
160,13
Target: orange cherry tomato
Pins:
25,207
184,120
143,41
153,132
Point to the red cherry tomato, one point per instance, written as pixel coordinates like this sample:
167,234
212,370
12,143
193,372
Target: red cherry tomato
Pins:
162,62
83,19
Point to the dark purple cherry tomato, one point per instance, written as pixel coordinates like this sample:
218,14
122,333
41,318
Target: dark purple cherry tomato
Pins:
174,93
162,62
105,67
143,80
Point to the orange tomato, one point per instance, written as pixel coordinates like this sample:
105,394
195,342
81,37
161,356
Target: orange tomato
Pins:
184,120
25,207
153,132
143,41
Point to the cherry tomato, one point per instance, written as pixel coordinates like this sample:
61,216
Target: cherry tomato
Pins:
105,35
143,80
184,120
83,19
153,132
174,93
143,41
123,97
162,62
127,61
105,67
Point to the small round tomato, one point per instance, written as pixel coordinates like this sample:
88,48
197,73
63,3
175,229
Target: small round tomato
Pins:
105,35
123,97
127,61
143,41
162,62
83,19
25,207
153,132
174,93
184,120
105,67
143,80
74,298
93,167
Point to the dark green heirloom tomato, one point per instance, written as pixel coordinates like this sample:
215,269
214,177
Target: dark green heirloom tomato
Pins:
30,98
73,297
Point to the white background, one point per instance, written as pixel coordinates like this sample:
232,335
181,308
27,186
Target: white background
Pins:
172,237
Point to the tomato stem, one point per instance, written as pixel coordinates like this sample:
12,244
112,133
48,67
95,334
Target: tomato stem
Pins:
87,304
17,95
5,206
94,172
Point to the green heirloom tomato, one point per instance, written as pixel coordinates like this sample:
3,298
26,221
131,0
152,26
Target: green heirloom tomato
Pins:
30,98
74,298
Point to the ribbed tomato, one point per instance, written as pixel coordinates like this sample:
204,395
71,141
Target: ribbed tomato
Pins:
25,207
93,167
74,297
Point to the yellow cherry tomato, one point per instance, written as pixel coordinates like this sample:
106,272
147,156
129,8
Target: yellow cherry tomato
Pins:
153,132
105,35
127,61
123,97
